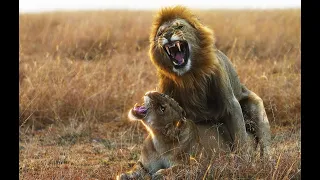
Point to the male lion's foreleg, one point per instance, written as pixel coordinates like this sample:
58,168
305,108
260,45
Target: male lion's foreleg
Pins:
257,120
236,125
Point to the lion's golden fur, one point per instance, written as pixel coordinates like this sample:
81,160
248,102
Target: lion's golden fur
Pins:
206,73
206,85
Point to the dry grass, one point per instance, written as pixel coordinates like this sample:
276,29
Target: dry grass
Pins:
80,72
102,151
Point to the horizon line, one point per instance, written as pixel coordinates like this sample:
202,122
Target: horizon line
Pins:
50,10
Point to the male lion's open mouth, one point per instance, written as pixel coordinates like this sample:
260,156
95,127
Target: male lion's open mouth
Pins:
139,111
178,51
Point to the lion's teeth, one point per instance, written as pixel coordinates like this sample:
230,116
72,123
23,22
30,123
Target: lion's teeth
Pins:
178,44
175,63
167,50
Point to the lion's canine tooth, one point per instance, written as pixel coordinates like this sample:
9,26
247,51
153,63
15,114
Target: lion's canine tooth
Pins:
167,50
178,44
175,63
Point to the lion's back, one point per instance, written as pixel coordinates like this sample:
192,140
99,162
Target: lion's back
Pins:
233,77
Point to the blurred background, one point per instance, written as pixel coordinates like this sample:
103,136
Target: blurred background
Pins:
53,5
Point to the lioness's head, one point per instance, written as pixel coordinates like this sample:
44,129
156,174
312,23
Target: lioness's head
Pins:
179,42
157,111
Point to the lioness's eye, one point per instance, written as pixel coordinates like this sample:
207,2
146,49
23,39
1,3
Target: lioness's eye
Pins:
162,108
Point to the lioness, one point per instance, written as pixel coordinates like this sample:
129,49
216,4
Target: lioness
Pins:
172,138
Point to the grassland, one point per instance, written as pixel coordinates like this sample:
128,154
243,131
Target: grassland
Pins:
80,72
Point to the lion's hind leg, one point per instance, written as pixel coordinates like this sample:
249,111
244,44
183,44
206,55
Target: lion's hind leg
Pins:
256,120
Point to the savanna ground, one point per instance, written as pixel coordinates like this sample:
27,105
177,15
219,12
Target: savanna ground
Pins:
80,73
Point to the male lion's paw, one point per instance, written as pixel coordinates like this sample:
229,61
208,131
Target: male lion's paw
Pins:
265,155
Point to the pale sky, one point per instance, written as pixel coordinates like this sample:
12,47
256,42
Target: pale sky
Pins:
52,5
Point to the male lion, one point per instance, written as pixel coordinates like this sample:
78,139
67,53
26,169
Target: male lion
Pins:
172,138
202,79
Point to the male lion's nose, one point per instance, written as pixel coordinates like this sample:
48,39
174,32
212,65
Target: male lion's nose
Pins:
168,35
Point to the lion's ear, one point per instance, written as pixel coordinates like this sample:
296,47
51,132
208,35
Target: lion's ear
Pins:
184,114
199,20
196,23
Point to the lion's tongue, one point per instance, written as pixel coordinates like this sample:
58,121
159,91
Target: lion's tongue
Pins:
179,58
140,109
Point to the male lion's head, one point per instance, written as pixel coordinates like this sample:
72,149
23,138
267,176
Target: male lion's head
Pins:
179,43
157,111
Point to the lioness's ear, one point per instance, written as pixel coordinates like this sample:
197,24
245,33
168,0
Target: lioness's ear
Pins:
184,114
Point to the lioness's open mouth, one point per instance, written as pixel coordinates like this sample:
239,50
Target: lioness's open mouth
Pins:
178,51
139,111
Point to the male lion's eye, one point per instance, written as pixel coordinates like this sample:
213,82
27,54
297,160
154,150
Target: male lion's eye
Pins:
179,26
160,31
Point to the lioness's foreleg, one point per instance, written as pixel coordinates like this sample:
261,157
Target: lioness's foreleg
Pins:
137,172
256,118
162,173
